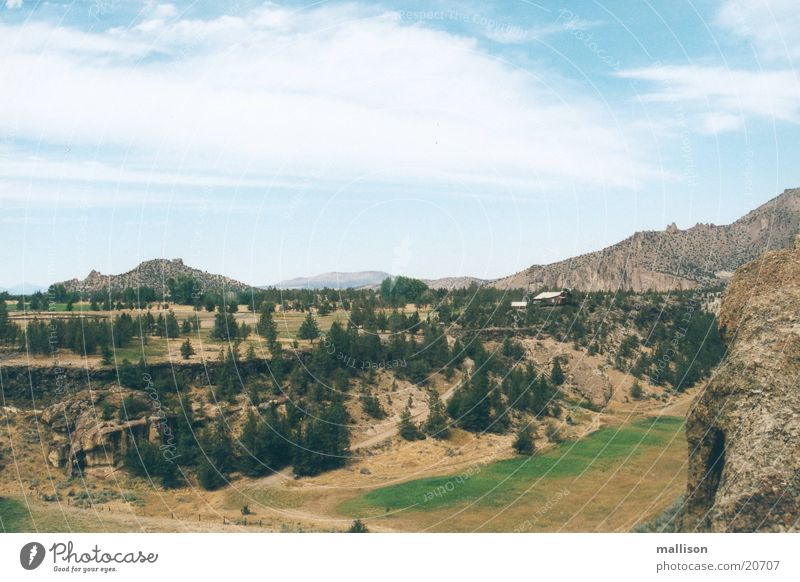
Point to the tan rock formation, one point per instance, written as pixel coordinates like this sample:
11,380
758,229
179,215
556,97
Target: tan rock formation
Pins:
672,259
744,431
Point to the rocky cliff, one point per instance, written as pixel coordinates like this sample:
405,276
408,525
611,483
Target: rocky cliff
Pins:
744,430
705,254
154,274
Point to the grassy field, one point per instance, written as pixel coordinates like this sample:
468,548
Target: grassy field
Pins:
616,453
53,307
16,516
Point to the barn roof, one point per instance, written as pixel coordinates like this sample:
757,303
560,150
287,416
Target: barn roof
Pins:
547,295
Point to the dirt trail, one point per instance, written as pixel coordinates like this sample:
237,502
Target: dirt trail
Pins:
388,428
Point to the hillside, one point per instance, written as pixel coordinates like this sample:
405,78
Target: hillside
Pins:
703,255
153,274
450,283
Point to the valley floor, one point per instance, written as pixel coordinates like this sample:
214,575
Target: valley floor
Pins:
627,468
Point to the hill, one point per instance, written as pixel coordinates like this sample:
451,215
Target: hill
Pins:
335,280
23,289
450,283
154,274
703,255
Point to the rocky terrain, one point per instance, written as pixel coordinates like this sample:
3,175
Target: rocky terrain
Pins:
703,255
744,430
450,283
154,274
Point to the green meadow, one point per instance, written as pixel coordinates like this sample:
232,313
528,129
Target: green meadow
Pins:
499,483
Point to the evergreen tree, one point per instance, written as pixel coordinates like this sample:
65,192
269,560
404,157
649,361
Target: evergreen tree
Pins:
216,457
636,390
309,329
225,327
145,459
437,423
107,355
187,351
186,445
358,527
323,443
171,326
407,429
251,354
8,330
266,326
524,443
557,374
372,405
471,406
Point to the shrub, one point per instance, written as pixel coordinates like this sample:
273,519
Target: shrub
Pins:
358,527
636,390
524,443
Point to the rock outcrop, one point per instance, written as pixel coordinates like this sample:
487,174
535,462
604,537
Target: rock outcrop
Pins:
673,258
744,430
85,429
154,274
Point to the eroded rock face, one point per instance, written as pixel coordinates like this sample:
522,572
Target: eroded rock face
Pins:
85,435
744,430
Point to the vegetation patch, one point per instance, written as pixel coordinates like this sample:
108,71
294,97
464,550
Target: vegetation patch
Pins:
499,483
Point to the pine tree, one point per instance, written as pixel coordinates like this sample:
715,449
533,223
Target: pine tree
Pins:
372,405
216,459
187,350
437,424
309,329
471,405
323,443
252,460
406,428
557,374
251,355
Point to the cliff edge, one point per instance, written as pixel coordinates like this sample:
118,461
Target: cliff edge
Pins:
744,429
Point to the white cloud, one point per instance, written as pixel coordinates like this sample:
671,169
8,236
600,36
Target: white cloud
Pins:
512,34
332,93
722,99
770,25
11,4
721,96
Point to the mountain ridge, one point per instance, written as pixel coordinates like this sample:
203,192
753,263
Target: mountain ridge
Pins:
700,256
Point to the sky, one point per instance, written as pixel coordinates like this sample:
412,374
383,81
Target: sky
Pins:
272,140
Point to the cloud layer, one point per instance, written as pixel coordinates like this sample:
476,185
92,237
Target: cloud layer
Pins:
333,93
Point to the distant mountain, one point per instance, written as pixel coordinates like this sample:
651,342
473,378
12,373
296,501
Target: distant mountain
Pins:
24,288
705,254
335,280
154,274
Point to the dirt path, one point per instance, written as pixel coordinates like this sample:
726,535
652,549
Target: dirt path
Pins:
389,428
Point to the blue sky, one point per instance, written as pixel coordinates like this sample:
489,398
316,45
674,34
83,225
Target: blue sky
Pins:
273,140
